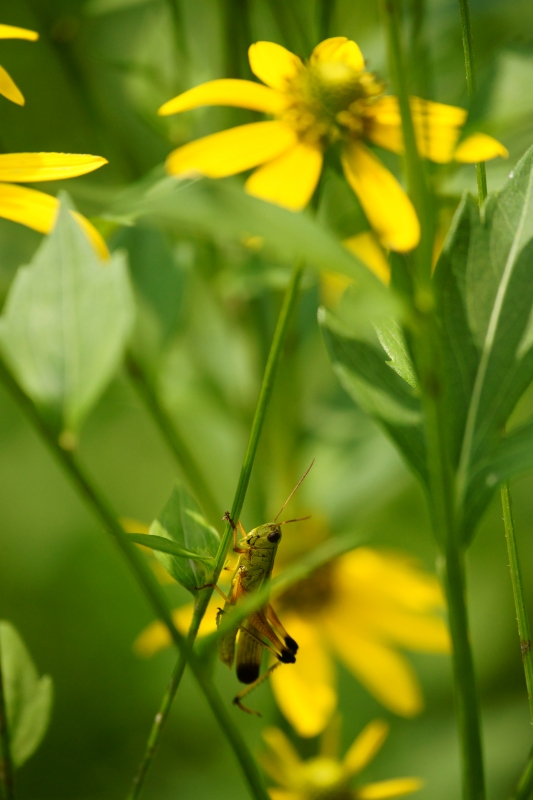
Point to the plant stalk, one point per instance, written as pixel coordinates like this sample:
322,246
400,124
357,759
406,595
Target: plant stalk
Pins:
468,48
518,593
6,765
263,401
426,347
189,469
103,511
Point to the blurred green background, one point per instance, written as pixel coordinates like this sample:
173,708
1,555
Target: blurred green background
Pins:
93,83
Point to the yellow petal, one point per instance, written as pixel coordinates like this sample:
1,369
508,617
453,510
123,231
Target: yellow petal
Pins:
281,762
32,167
388,575
393,788
10,32
290,179
273,64
94,236
367,249
332,287
155,637
365,747
227,92
425,633
479,147
281,746
305,691
9,89
436,126
387,207
38,211
339,48
285,794
384,672
131,525
232,151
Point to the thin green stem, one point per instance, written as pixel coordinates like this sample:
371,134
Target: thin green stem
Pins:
190,471
6,765
162,714
524,788
468,48
426,351
103,511
263,401
518,593
414,166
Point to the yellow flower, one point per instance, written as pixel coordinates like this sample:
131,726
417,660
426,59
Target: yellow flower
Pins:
8,87
325,777
36,209
362,608
331,98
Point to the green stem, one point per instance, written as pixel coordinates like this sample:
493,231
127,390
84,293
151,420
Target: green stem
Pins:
263,401
190,470
100,507
525,784
518,593
416,175
6,765
162,714
426,348
468,48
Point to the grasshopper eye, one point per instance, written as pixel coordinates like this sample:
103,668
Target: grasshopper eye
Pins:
274,536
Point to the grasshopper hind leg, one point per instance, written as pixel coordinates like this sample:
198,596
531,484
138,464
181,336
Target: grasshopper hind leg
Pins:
237,700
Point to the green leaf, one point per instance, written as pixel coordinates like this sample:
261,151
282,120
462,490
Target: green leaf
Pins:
220,209
163,545
28,697
365,374
181,522
392,340
484,293
65,324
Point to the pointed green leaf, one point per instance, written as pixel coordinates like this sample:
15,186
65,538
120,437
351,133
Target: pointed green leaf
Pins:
28,697
164,545
65,324
182,522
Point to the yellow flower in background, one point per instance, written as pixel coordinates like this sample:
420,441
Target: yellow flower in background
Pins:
8,87
363,608
325,777
330,99
36,209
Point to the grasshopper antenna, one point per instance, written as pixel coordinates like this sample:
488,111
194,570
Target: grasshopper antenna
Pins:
296,487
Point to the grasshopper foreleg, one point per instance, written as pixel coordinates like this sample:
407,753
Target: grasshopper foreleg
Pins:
238,528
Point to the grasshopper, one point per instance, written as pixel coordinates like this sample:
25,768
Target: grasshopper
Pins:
257,552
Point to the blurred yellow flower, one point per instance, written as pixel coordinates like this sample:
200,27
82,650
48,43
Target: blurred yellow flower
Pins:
325,776
362,608
331,98
36,209
8,87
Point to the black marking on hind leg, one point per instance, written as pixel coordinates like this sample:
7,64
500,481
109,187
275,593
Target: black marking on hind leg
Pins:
248,673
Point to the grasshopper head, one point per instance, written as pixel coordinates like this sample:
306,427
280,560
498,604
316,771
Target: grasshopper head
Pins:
265,536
